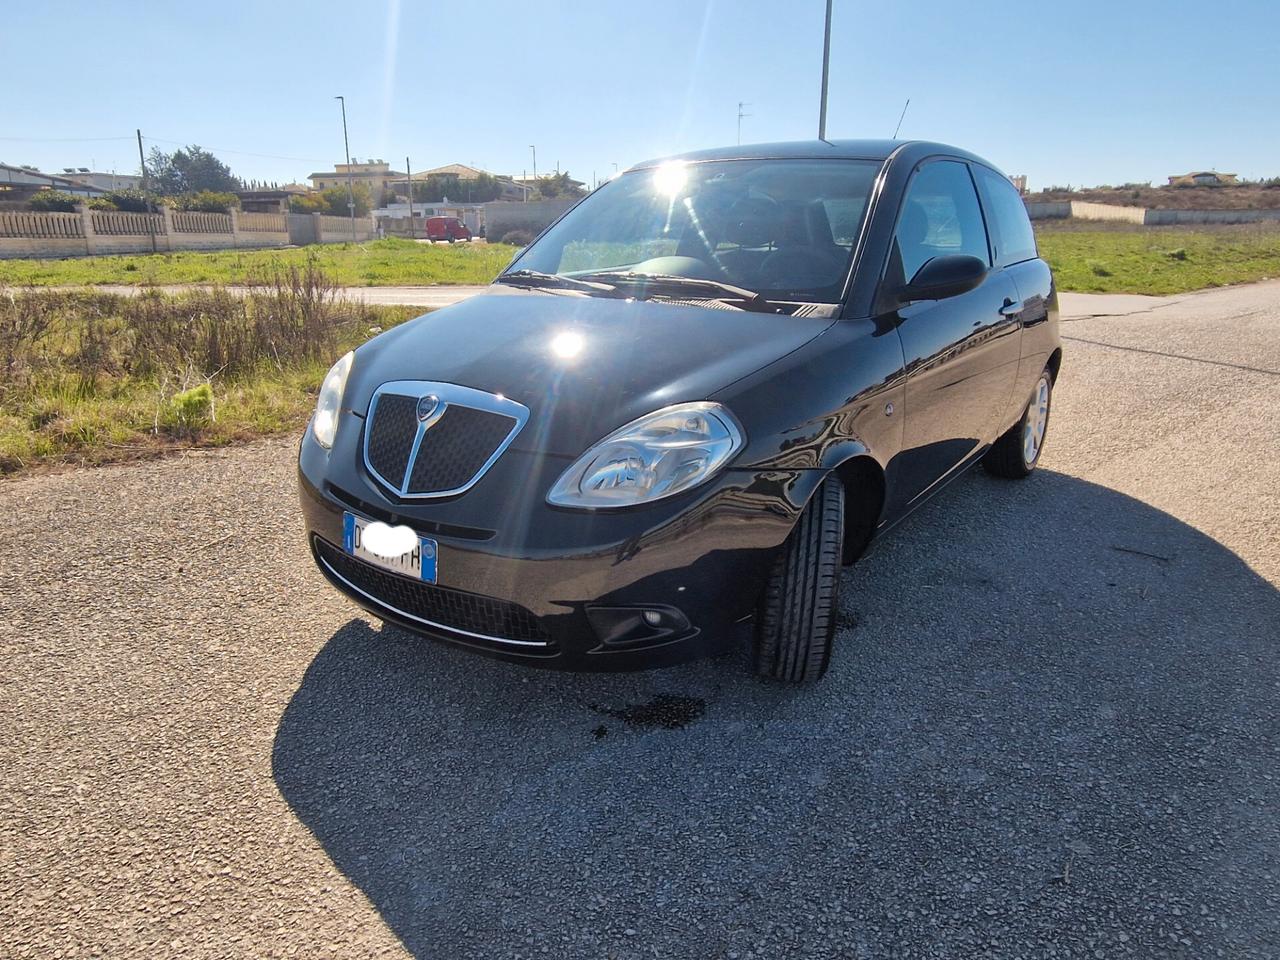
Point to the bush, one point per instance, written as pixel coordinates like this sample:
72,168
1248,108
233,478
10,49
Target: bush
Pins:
130,201
192,408
54,201
208,201
519,238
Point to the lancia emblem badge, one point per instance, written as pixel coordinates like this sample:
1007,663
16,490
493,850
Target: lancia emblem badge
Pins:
427,406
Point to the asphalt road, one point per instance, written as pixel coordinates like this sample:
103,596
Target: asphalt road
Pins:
1051,727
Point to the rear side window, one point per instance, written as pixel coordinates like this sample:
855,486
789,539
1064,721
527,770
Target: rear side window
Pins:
940,217
1011,232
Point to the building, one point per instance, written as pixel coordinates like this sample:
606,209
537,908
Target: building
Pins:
23,182
103,181
270,201
1203,178
377,175
1019,182
393,219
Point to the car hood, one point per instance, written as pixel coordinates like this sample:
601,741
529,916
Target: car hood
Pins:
582,365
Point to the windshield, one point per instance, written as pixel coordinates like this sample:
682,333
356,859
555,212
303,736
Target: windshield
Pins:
783,229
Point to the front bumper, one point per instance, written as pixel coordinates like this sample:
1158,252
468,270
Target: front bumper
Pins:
523,580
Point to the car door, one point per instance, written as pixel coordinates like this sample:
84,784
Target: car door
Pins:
1014,249
961,353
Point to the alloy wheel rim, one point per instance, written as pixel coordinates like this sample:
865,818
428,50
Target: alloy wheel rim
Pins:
1036,421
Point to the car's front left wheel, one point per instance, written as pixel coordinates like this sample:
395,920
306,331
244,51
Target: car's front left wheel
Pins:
796,623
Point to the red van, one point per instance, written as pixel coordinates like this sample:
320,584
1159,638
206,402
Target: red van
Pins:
447,228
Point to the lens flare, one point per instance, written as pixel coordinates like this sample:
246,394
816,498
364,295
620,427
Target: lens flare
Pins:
669,179
567,344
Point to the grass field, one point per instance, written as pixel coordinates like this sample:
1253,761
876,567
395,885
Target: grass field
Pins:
93,377
1158,260
379,263
1086,257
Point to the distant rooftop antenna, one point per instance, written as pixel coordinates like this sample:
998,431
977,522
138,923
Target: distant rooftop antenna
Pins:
900,118
741,104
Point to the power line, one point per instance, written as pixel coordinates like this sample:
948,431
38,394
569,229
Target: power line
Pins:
61,139
242,153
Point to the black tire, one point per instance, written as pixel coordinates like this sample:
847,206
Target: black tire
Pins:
1008,456
796,623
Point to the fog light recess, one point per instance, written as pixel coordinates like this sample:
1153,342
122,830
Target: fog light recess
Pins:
626,627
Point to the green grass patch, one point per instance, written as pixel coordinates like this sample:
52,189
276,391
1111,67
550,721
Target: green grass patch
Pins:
1159,260
378,263
93,377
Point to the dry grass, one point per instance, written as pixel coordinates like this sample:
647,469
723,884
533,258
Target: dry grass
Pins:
89,377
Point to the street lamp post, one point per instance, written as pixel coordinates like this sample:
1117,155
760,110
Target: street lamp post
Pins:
351,196
535,162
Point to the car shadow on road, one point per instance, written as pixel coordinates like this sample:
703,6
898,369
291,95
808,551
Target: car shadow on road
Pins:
1051,714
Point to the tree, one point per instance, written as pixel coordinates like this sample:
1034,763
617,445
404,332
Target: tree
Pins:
557,186
207,201
333,201
189,170
439,186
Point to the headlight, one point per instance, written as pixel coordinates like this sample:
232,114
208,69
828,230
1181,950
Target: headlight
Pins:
324,424
661,454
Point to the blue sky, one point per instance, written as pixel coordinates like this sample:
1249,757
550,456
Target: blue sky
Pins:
1081,93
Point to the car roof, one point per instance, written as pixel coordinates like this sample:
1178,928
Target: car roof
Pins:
809,149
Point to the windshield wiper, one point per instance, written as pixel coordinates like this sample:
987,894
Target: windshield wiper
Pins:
536,278
750,299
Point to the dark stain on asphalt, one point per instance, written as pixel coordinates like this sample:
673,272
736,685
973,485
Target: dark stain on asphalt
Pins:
664,711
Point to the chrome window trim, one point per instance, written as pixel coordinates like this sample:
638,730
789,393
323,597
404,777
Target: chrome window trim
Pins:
449,394
430,623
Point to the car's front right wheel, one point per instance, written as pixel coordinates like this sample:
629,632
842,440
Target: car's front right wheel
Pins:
796,624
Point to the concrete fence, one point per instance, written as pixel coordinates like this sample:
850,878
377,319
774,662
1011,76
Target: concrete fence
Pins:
1081,210
338,229
1160,218
1106,211
107,224
41,225
264,223
91,232
1048,210
201,222
503,216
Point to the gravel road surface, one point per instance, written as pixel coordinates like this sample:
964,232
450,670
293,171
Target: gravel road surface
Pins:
1052,727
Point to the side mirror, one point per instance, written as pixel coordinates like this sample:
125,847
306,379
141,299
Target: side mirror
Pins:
944,277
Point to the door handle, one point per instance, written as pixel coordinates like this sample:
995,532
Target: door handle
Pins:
1011,308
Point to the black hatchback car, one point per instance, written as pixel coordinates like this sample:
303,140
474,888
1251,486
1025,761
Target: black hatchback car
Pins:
670,420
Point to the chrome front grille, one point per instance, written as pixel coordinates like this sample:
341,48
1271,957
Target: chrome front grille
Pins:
426,439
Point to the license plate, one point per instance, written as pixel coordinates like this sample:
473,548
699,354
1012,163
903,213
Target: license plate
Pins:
419,563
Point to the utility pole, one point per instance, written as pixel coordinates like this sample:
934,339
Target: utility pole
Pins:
146,191
535,162
826,66
740,116
351,196
408,177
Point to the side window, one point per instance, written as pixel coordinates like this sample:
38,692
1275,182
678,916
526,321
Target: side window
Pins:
939,217
1011,231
